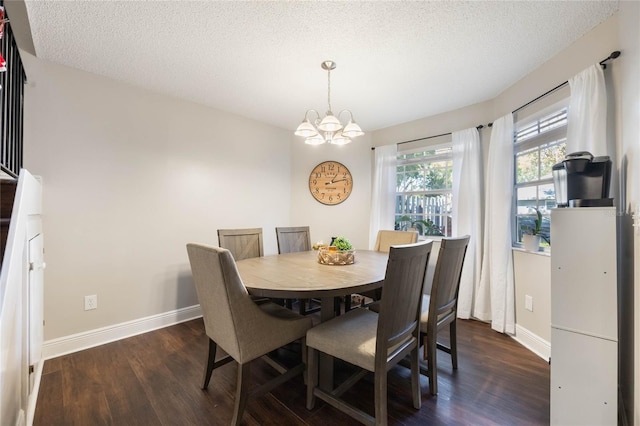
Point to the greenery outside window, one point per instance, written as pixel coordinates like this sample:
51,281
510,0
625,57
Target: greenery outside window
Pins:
423,190
540,142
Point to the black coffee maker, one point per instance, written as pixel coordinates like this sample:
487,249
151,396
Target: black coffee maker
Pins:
582,180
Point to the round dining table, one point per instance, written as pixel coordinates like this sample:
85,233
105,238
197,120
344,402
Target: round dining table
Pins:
300,276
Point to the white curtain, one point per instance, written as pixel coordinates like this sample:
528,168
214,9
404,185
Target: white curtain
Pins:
467,211
383,196
495,299
587,116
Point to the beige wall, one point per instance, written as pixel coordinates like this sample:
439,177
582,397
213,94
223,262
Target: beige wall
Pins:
129,178
533,276
349,218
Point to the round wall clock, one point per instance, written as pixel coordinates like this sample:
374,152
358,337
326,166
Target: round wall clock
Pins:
330,183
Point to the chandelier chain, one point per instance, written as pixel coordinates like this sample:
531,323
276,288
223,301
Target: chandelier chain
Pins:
329,89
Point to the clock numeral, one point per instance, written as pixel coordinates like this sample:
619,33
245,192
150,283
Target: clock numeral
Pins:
330,198
318,175
317,190
332,166
315,181
338,195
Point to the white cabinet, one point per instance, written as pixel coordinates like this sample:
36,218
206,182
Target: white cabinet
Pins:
584,317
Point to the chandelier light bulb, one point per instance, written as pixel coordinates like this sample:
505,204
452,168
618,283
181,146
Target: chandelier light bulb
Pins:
330,123
306,129
316,139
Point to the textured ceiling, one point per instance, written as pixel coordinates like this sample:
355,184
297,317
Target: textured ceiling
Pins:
396,61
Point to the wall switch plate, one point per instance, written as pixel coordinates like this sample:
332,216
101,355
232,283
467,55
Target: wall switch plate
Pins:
528,303
91,302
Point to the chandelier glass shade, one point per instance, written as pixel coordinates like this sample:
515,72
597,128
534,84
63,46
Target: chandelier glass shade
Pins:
329,129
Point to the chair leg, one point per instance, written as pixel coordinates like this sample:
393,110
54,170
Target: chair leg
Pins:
453,344
208,368
380,392
431,348
415,377
312,376
241,392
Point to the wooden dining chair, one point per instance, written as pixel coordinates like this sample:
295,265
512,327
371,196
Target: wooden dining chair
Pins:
242,243
440,306
295,239
244,330
375,341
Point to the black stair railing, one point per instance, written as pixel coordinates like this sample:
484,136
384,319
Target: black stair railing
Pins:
11,104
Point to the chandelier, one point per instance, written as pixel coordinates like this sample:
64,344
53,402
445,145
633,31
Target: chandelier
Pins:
329,129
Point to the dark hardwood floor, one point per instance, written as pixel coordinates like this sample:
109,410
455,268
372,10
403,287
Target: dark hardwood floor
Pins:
155,378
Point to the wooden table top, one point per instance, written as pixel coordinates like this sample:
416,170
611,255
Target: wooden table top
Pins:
299,275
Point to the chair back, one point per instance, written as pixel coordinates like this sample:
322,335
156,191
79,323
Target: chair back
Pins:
293,239
443,302
401,303
386,239
242,243
227,309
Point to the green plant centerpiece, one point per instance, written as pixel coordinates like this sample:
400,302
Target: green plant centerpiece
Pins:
341,243
340,252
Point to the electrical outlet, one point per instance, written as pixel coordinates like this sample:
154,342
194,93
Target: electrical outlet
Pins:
528,303
91,302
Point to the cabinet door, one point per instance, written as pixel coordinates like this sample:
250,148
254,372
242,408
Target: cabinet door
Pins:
583,271
584,379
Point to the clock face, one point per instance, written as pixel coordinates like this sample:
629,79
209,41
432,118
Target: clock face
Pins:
330,183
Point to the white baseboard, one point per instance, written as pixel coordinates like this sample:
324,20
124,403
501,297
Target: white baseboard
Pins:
533,342
88,339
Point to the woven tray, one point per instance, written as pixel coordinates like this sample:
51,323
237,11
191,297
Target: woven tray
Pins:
336,257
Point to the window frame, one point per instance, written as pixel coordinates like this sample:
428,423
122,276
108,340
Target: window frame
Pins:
538,141
401,196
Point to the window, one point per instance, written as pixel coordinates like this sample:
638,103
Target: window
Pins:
423,190
540,143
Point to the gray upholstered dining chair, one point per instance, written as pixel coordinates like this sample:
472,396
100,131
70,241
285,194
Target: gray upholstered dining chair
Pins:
244,330
242,243
295,239
375,341
440,306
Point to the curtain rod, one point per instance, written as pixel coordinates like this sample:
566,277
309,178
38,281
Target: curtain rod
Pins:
603,63
427,137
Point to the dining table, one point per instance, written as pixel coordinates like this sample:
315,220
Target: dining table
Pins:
301,276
